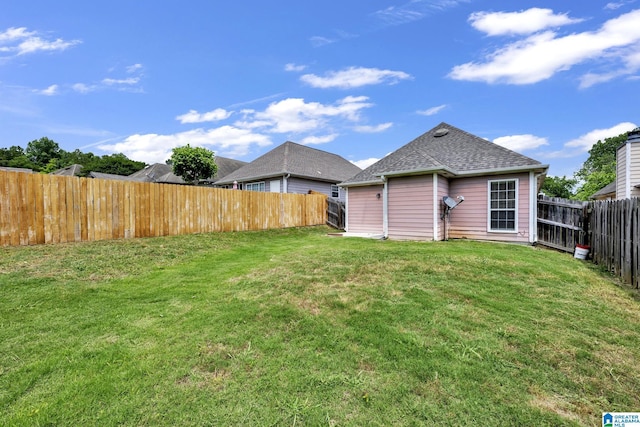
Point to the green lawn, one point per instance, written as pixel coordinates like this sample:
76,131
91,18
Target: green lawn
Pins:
293,327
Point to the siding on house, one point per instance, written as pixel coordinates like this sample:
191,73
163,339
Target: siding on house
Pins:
364,210
302,186
469,219
621,171
410,208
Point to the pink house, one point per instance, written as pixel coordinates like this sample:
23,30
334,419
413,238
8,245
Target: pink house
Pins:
446,183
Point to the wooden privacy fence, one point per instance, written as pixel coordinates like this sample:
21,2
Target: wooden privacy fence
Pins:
37,209
562,223
615,237
336,213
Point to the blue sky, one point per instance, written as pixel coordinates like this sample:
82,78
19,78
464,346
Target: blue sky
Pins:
356,78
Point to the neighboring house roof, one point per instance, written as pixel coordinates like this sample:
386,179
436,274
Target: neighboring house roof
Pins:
152,173
608,190
447,150
101,175
298,161
10,169
163,174
72,170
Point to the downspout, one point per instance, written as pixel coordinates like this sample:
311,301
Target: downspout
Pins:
385,208
627,172
435,207
533,206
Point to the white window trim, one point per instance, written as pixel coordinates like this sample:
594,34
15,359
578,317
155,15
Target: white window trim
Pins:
491,230
250,184
337,191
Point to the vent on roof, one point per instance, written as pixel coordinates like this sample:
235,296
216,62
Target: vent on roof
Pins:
441,132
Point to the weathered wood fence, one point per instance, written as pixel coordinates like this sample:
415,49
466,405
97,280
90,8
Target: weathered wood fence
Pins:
615,237
37,209
562,223
611,229
336,214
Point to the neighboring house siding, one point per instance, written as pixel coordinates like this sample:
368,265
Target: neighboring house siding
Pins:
634,168
443,190
302,186
411,208
469,219
621,172
364,210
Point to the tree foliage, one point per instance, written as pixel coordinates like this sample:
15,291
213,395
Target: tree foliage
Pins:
193,163
599,169
45,155
41,151
117,164
556,186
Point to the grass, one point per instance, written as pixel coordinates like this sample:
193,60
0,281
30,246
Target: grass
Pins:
293,327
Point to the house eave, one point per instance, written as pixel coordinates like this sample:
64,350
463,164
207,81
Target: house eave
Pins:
502,171
360,183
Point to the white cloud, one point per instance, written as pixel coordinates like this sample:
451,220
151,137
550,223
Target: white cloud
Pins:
432,111
296,115
83,88
373,129
294,67
318,41
211,116
353,77
365,163
521,143
134,68
127,81
586,141
50,91
412,11
20,41
312,122
154,148
541,55
526,22
315,140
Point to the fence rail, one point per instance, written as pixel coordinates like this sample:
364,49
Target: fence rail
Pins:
37,209
611,230
336,214
562,224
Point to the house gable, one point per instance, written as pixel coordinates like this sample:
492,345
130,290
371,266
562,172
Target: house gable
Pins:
447,161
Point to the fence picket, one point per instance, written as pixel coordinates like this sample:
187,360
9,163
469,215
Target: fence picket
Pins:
37,208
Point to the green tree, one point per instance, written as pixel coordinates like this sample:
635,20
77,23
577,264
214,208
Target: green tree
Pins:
14,157
41,151
600,168
556,186
193,163
117,164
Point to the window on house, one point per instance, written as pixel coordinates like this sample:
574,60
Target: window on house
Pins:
255,186
335,193
503,202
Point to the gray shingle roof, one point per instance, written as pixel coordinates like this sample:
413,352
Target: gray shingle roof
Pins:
163,173
71,170
297,160
454,152
100,175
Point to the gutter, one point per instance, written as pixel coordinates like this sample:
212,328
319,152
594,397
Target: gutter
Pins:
385,208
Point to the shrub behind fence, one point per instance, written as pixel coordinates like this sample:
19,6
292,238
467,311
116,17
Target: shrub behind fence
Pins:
37,209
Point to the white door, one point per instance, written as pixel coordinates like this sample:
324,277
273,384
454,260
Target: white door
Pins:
274,186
